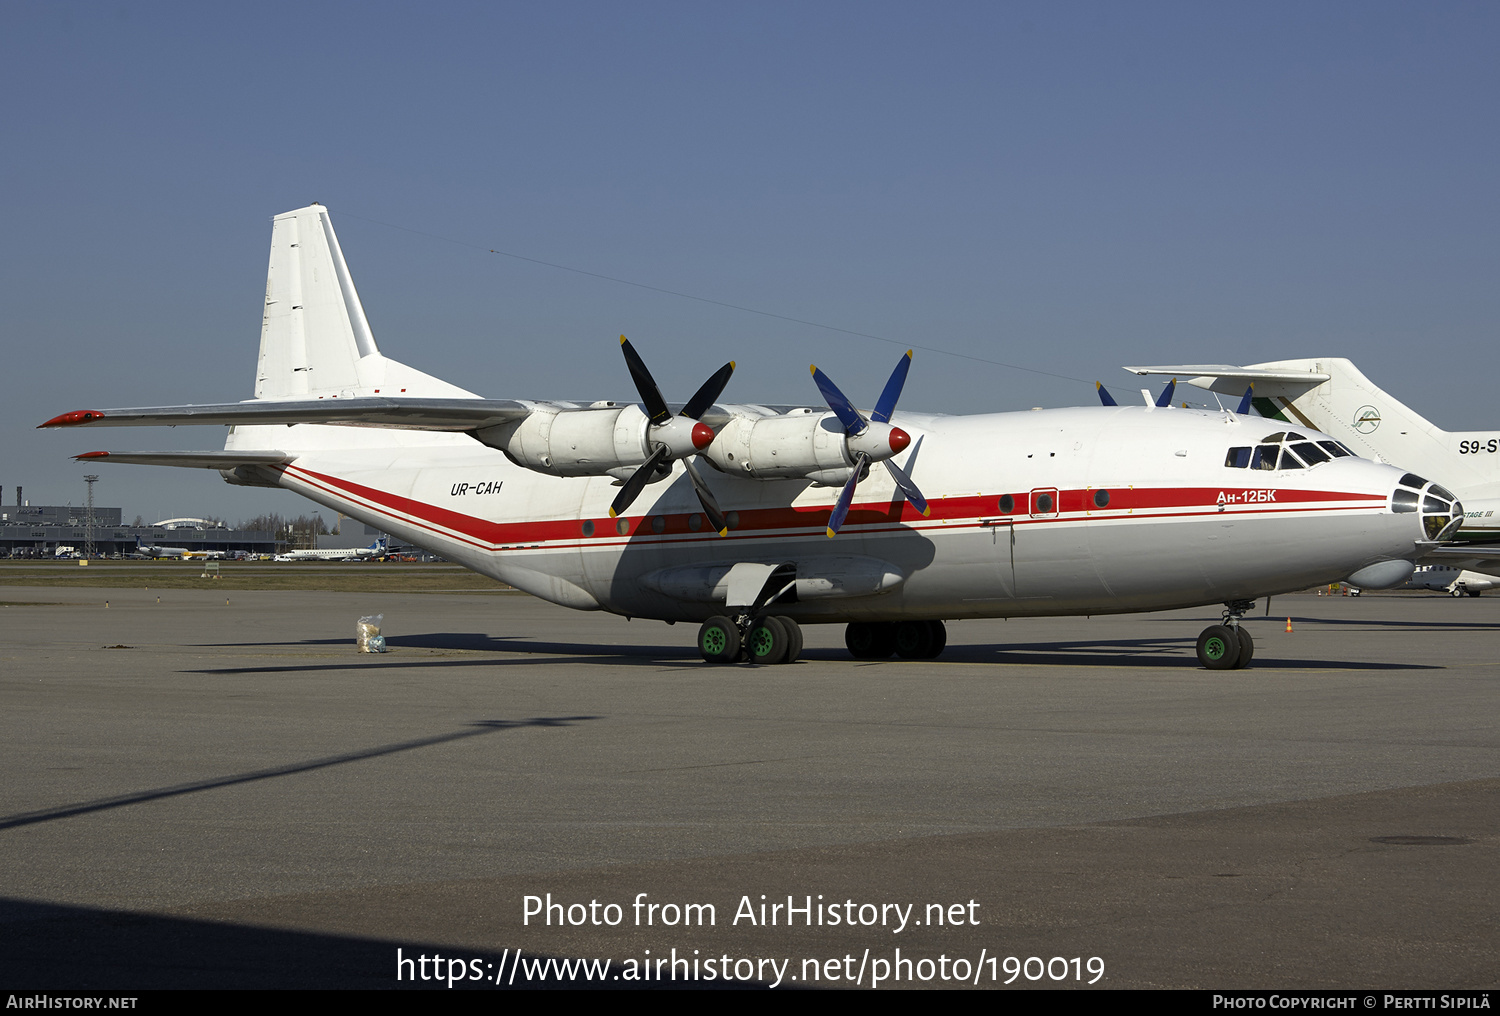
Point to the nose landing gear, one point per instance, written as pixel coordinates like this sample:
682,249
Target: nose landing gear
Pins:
1227,646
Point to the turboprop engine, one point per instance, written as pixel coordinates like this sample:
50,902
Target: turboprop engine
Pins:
635,445
609,441
802,444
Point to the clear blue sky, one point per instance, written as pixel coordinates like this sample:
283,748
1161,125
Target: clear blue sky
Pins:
1068,187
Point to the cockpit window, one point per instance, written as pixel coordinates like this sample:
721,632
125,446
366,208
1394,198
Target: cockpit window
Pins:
1404,501
1441,492
1413,480
1276,452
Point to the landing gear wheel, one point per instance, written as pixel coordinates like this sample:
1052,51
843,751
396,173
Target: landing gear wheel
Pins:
768,641
1474,592
794,633
719,640
913,640
1219,648
1456,591
1247,648
939,639
868,640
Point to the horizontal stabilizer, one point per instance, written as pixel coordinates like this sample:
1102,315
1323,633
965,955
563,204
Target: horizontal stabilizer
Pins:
456,415
191,460
1231,380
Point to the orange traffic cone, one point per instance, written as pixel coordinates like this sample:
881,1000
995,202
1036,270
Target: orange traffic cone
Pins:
1288,626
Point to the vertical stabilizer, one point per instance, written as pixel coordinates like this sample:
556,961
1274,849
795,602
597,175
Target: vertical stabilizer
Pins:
314,331
1352,408
315,340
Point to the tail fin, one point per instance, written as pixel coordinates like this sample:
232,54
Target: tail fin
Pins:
1353,409
315,339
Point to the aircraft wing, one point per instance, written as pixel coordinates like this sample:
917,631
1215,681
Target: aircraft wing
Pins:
1448,555
401,414
193,460
1231,380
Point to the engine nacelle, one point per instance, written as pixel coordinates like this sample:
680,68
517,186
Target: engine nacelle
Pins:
576,442
800,445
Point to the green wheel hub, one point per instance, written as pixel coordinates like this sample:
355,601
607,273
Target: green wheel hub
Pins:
713,641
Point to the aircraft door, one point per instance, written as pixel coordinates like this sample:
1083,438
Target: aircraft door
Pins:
1002,553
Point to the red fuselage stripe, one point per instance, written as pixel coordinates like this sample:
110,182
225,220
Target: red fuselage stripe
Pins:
948,515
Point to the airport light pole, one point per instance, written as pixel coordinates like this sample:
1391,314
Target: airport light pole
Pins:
88,520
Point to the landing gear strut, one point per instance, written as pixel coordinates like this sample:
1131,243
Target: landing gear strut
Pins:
1226,645
911,640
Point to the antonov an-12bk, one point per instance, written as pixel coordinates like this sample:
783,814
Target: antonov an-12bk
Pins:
722,514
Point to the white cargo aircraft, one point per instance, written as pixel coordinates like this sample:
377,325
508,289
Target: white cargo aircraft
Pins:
721,514
1332,395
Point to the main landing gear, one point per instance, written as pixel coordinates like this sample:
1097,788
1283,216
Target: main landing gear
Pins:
766,639
911,640
1227,646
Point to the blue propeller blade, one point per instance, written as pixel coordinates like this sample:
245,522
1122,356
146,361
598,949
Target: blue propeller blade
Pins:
1104,396
846,496
908,488
842,408
886,404
1244,409
1165,398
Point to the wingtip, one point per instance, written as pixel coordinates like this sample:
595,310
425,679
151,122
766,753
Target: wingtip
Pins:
92,455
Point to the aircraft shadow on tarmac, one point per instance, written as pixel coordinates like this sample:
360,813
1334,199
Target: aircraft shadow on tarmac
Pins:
477,729
52,946
1156,653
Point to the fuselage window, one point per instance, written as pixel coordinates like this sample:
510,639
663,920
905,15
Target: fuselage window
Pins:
1310,453
1007,504
1238,458
1043,504
1101,497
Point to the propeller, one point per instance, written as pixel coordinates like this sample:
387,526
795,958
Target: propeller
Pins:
1104,396
672,437
1165,398
872,440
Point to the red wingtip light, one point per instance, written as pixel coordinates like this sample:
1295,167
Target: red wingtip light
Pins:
77,416
703,436
899,439
93,455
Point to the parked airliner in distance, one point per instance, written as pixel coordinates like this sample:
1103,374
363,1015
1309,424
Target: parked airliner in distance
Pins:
753,520
374,550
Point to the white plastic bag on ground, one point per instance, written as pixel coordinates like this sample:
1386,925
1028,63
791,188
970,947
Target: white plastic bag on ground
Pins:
367,635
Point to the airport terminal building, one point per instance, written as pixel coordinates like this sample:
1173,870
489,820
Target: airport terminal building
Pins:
38,530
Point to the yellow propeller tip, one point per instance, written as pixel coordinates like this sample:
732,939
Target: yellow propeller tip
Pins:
611,513
731,365
831,534
813,368
622,340
724,531
927,512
